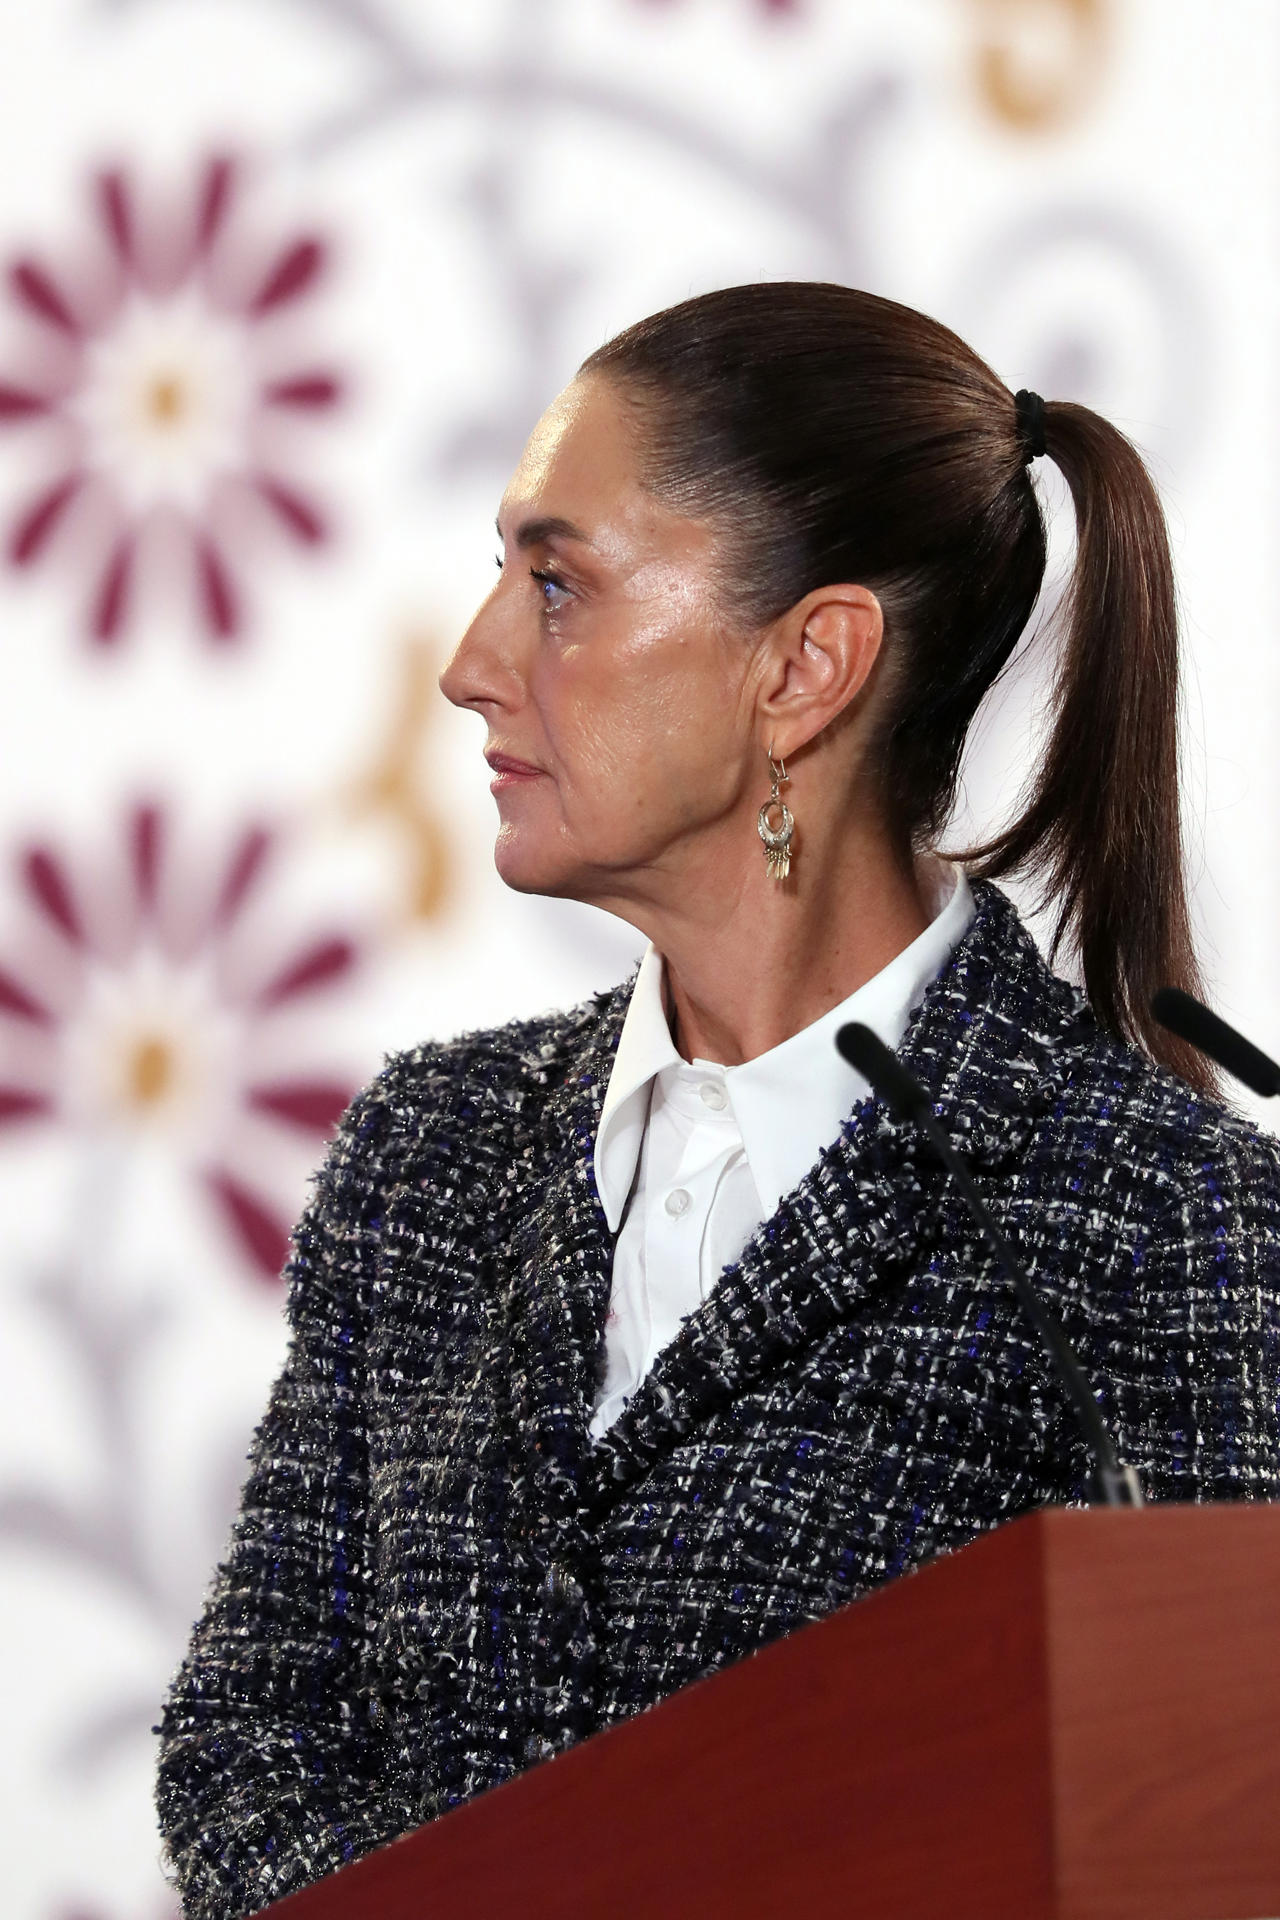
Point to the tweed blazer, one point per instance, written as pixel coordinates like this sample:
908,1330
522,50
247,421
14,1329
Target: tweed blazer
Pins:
437,1578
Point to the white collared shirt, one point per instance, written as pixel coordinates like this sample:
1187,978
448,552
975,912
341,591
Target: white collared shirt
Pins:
690,1157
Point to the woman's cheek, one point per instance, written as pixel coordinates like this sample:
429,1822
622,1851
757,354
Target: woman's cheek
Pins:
610,747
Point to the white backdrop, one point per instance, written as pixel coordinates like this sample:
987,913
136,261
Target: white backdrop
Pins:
288,283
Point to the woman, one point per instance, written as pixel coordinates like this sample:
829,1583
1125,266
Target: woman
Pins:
626,1338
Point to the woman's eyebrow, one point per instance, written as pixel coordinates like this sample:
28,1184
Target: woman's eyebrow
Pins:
532,533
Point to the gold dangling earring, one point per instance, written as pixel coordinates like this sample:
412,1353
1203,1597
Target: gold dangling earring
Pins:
777,840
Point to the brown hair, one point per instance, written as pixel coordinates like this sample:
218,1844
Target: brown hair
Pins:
836,436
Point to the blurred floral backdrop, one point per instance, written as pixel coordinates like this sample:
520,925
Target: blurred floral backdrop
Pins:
286,284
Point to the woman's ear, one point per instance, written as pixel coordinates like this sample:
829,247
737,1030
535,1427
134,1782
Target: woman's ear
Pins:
818,658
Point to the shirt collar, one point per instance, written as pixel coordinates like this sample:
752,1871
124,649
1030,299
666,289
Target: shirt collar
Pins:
790,1102
645,1047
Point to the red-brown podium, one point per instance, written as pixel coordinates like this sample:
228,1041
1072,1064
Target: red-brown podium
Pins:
1074,1718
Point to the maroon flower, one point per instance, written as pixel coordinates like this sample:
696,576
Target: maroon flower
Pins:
151,1009
163,378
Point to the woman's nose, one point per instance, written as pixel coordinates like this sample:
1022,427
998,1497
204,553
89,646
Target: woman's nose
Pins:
481,672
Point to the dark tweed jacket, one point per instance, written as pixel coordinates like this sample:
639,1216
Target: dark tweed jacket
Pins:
436,1578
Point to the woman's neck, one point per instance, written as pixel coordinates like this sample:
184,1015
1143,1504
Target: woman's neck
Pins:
750,965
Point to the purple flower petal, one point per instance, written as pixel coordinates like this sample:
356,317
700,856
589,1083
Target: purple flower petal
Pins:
291,276
38,523
215,198
40,294
246,865
16,1001
146,830
312,1105
218,598
20,1103
298,515
117,216
50,888
263,1236
111,607
319,966
17,404
304,390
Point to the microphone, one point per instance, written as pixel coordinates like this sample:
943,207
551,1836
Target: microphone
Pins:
1185,1018
1117,1484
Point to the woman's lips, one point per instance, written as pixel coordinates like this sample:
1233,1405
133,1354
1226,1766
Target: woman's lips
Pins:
508,772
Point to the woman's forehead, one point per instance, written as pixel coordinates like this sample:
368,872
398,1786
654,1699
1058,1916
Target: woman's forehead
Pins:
579,478
579,454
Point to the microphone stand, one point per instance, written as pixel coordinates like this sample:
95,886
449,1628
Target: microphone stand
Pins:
1116,1483
1181,1014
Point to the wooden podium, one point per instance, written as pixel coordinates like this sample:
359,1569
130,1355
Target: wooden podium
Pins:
1075,1718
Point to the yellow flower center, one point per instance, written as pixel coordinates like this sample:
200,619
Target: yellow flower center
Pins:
166,399
151,1071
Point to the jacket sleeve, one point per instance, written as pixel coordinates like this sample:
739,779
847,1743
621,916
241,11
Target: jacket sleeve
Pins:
269,1767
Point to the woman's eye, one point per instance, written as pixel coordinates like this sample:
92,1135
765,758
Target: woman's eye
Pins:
554,592
497,561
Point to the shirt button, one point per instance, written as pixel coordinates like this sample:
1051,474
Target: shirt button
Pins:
677,1202
714,1096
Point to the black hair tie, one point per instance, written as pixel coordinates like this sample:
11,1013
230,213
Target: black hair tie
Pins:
1028,410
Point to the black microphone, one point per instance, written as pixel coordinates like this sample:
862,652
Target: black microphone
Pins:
1180,1014
868,1055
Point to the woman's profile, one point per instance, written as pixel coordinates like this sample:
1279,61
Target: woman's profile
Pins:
628,1337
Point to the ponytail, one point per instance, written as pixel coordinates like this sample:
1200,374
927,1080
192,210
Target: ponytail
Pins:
1102,828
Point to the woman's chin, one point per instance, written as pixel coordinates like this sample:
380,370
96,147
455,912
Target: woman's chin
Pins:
526,867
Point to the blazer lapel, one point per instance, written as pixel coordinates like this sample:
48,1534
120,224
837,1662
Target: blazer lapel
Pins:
562,1271
847,1231
859,1222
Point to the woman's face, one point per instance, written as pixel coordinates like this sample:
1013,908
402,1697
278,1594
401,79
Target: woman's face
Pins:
619,700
